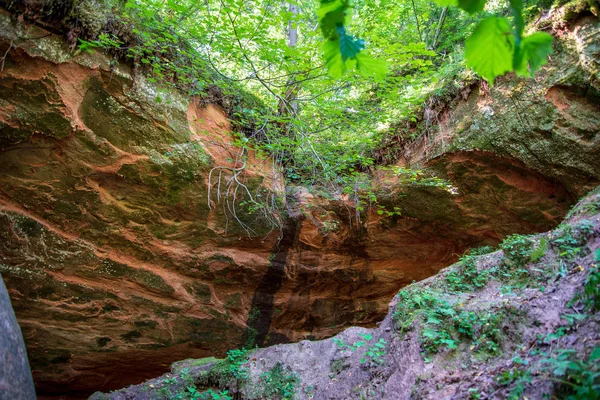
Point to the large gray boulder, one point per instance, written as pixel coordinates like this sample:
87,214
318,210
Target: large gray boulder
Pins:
16,382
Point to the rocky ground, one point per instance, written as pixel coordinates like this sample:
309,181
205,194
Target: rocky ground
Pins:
521,321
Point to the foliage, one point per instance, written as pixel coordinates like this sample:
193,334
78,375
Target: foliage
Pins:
278,383
480,251
235,359
324,133
444,325
540,250
579,379
516,378
494,48
466,277
337,366
104,40
567,245
340,48
375,353
341,345
474,394
408,176
212,395
518,250
228,370
490,47
591,289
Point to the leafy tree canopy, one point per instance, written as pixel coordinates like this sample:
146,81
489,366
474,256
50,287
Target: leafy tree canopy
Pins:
329,81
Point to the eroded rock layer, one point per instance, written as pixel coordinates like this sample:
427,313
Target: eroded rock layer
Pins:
118,264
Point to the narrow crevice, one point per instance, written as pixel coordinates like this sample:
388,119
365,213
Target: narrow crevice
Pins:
261,311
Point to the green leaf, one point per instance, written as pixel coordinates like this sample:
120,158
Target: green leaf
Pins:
369,66
327,7
333,58
472,6
489,50
595,355
349,46
332,15
533,53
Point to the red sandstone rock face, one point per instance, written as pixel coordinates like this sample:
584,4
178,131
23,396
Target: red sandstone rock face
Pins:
349,272
110,252
117,266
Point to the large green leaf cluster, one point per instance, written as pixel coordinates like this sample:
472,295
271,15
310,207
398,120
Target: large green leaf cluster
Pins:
495,47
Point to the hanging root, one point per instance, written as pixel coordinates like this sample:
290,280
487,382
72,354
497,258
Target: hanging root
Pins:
230,194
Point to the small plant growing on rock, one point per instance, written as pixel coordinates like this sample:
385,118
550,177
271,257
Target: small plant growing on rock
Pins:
578,379
567,245
474,394
278,383
337,367
517,250
516,379
226,371
444,325
540,250
375,353
341,345
591,289
235,359
212,395
466,277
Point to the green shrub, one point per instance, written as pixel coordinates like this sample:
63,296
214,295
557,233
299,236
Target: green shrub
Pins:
518,250
568,246
226,371
480,251
444,325
591,289
516,378
375,353
466,277
578,379
278,383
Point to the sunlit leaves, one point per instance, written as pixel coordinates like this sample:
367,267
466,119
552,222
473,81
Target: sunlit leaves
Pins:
496,47
369,66
533,53
489,50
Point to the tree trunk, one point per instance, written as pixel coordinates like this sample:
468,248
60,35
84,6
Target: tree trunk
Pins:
288,106
439,28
